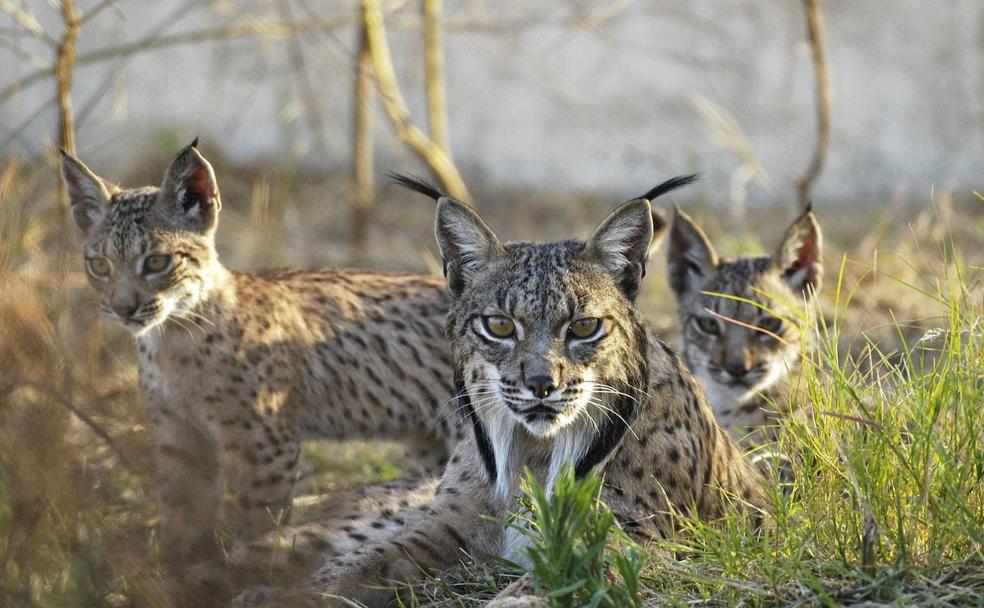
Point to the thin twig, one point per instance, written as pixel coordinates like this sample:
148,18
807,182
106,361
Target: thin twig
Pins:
65,73
269,30
396,108
437,106
815,29
80,414
295,55
362,153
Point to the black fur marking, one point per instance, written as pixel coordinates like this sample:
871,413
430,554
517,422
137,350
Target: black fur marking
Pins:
614,428
417,184
669,185
481,438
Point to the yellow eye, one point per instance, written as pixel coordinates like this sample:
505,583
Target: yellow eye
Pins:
708,325
499,326
98,267
770,324
584,328
156,263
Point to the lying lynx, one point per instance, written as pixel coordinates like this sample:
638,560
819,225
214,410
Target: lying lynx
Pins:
742,353
554,367
237,368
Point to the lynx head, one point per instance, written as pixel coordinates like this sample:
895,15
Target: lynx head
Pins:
546,342
148,251
736,348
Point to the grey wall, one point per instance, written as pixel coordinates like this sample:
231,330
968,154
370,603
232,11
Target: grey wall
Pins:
569,94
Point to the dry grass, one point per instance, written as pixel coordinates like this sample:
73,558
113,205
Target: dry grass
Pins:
76,519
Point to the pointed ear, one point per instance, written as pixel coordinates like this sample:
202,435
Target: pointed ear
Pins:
799,257
691,256
621,244
466,242
87,193
190,193
661,225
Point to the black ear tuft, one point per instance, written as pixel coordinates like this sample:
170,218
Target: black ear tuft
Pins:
669,185
417,184
194,143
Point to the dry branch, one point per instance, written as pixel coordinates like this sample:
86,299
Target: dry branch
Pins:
437,107
268,30
295,55
362,153
396,108
814,19
65,73
79,413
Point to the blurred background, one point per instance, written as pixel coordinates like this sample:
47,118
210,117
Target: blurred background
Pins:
543,114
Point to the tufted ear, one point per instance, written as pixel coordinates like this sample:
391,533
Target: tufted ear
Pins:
660,222
190,192
799,257
86,192
690,257
621,244
466,242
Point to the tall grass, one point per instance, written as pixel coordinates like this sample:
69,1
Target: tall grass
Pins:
578,554
887,505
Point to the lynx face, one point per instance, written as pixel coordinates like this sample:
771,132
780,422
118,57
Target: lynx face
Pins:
736,348
541,331
148,251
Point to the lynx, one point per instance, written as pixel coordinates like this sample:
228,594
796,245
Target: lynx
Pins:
744,354
555,368
237,369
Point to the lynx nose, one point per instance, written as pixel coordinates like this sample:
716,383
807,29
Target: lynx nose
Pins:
125,310
541,386
737,369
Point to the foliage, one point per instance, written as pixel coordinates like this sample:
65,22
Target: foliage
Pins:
578,554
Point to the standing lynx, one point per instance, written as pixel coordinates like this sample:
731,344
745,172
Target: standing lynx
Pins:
554,367
744,354
236,369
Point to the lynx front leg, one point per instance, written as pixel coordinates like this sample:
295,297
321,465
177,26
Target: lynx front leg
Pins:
259,457
188,489
461,522
189,496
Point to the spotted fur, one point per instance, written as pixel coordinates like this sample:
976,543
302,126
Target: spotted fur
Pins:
745,353
618,402
238,368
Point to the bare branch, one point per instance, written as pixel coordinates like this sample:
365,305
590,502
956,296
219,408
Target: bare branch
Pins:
26,21
94,11
437,110
65,73
295,54
396,108
815,29
79,413
362,154
270,30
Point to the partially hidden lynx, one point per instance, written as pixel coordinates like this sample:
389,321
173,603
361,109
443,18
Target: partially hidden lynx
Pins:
554,367
238,368
737,320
